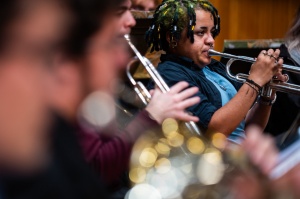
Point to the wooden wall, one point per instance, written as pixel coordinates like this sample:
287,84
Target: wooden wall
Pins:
254,19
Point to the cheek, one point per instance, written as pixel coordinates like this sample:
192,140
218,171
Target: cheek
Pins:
120,24
122,57
102,71
198,48
23,112
199,42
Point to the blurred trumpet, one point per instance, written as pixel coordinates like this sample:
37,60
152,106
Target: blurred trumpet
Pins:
141,90
267,89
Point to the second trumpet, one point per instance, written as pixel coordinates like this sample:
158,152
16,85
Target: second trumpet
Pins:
141,90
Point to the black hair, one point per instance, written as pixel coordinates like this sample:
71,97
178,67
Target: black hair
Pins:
172,16
9,10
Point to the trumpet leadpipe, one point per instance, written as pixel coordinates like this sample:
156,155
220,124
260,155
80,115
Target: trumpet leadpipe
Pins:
289,68
140,89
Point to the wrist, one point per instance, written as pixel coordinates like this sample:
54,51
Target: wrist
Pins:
152,115
258,81
254,86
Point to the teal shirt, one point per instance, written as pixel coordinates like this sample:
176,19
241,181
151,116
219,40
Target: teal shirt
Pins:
227,92
174,69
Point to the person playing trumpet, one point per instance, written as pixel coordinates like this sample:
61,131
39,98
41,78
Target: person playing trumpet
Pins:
186,30
86,76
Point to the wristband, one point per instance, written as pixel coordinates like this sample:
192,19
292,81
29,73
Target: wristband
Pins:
254,87
252,82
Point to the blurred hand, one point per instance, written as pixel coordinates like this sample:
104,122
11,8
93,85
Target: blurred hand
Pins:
288,184
266,66
261,149
173,103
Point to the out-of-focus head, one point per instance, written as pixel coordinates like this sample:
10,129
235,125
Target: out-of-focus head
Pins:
186,28
126,20
144,5
30,31
96,41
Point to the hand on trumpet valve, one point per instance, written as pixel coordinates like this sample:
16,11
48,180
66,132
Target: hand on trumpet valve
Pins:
267,65
173,103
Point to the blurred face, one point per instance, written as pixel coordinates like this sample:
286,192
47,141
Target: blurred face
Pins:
108,52
101,59
124,18
24,62
125,21
143,5
203,35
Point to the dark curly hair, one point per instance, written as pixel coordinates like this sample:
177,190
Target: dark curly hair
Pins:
173,16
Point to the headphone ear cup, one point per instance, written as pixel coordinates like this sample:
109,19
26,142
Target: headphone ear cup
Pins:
218,21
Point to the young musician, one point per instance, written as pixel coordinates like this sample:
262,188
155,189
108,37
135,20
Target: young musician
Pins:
186,30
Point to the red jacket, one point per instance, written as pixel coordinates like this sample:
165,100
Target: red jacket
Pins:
108,151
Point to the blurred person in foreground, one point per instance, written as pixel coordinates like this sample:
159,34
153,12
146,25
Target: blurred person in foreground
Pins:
287,107
36,161
259,171
85,83
186,30
30,31
264,154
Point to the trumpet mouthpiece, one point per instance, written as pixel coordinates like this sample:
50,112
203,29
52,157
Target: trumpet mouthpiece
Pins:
212,52
127,37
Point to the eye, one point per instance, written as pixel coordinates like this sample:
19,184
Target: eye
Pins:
214,32
200,33
120,11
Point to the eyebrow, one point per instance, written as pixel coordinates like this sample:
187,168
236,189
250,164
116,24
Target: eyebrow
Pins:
203,27
121,9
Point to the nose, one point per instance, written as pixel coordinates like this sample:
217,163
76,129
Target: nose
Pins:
210,40
129,20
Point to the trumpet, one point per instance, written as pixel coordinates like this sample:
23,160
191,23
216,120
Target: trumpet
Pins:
141,90
267,89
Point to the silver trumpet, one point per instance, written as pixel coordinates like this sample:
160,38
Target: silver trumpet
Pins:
267,89
141,90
